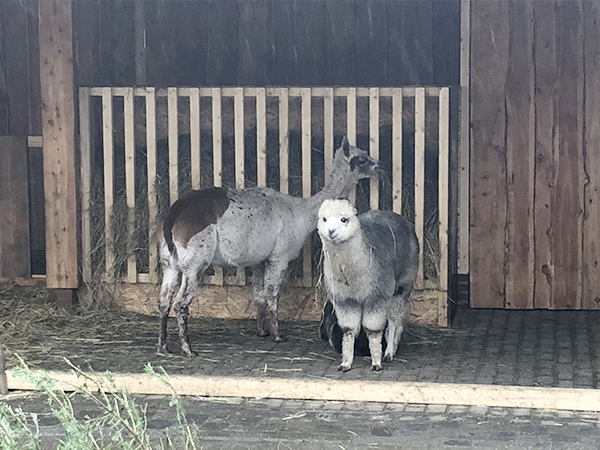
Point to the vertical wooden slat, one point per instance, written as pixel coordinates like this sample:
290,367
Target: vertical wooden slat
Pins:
306,177
86,182
217,278
284,140
351,127
173,144
238,104
397,150
261,136
520,142
14,210
489,63
130,184
545,110
328,131
443,184
152,199
568,189
591,231
463,138
58,130
195,136
420,178
374,142
107,142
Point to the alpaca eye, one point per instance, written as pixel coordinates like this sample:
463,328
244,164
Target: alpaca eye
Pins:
344,220
362,161
324,219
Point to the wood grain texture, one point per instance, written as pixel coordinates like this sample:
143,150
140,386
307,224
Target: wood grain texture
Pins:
311,43
567,201
255,52
591,218
341,22
489,63
372,43
545,144
520,133
14,204
58,129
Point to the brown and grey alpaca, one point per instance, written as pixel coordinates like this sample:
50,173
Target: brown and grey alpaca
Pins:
256,227
370,263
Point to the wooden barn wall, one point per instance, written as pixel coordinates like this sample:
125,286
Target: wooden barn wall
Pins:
267,42
535,154
20,116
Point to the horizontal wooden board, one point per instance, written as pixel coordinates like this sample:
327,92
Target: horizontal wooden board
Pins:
341,390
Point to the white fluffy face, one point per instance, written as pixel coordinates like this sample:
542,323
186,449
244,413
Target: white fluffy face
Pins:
337,221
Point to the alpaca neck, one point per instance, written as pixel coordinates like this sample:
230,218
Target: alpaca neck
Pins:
339,185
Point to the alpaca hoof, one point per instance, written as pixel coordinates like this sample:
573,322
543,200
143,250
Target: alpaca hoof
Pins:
343,368
279,338
263,333
388,358
162,349
376,368
188,353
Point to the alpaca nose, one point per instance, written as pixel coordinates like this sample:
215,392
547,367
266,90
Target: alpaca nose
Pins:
331,233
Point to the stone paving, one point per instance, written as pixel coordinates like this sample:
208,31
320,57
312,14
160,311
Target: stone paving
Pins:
527,348
236,423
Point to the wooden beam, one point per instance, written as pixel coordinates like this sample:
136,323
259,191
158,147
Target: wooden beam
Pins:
3,379
58,130
340,390
14,204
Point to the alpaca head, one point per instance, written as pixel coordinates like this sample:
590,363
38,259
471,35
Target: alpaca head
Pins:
337,221
355,162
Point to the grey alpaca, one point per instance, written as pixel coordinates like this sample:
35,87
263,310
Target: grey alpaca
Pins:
256,227
370,263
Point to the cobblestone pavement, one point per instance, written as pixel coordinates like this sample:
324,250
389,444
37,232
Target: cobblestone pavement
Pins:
527,348
302,425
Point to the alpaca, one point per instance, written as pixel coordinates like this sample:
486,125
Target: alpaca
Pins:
370,263
256,227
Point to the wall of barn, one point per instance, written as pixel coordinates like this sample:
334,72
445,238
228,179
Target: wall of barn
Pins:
535,154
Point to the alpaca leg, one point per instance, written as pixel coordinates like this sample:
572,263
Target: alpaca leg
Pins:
375,349
373,322
258,285
274,273
187,292
169,284
349,322
396,318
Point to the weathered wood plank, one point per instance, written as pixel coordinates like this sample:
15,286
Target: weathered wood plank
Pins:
420,179
261,137
222,43
372,45
568,190
139,31
195,137
591,232
35,99
130,185
374,144
152,196
255,64
85,148
328,146
306,178
109,188
341,24
520,146
284,141
489,61
311,43
351,128
14,30
58,129
172,108
14,204
545,111
397,150
217,125
281,18
443,185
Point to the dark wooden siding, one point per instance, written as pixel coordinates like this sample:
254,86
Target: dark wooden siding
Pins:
535,153
268,42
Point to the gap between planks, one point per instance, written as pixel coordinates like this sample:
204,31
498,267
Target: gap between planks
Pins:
343,390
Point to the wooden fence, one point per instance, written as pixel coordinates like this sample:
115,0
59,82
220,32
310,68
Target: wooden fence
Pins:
289,102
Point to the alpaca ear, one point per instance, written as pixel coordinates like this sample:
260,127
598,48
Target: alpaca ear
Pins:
346,147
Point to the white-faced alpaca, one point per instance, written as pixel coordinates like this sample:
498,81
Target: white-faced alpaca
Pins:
370,264
257,227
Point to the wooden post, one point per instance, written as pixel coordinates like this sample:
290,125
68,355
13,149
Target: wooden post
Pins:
58,130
